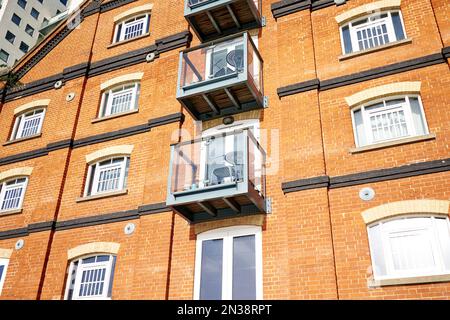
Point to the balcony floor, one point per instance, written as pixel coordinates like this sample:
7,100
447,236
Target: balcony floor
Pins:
223,101
222,208
217,22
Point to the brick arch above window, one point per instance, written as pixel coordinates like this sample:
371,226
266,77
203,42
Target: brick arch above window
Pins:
393,209
121,79
366,10
109,152
32,105
133,11
255,220
5,253
16,172
93,248
397,88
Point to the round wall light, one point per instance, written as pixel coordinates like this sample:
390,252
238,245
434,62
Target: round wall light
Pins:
367,194
129,228
19,244
228,120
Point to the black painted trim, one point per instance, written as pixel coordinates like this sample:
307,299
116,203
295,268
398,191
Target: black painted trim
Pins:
86,221
24,156
446,52
69,143
286,7
383,71
306,184
15,233
298,88
406,171
111,135
97,220
375,73
134,57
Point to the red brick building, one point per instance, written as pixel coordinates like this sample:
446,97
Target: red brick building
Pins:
224,149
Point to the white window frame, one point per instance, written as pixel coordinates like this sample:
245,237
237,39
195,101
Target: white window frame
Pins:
109,95
17,132
79,272
412,130
391,273
5,187
94,178
121,26
353,30
3,262
227,234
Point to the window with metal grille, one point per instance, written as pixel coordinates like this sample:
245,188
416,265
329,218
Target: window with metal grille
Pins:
107,176
410,246
91,278
389,119
12,193
132,28
120,99
28,124
372,31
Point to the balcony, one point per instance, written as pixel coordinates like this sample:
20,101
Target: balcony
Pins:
218,177
222,78
212,19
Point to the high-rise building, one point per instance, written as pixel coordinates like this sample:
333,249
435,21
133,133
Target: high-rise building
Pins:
230,149
20,21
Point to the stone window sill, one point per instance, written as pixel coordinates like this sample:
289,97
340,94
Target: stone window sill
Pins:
10,212
114,116
377,146
112,45
22,139
386,46
372,283
102,196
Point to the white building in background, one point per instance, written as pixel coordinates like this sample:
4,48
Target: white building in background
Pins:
20,22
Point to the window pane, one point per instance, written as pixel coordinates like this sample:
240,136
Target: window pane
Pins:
4,56
10,37
359,127
419,123
376,247
211,270
412,250
347,39
444,240
398,28
111,278
2,267
244,268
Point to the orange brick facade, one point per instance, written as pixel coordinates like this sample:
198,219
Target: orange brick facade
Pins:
314,241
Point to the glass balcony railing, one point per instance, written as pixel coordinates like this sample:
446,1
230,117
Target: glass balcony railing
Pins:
218,176
211,19
221,78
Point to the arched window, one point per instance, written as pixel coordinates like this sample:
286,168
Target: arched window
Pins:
410,246
229,264
132,27
28,123
91,277
119,99
12,193
389,119
107,175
